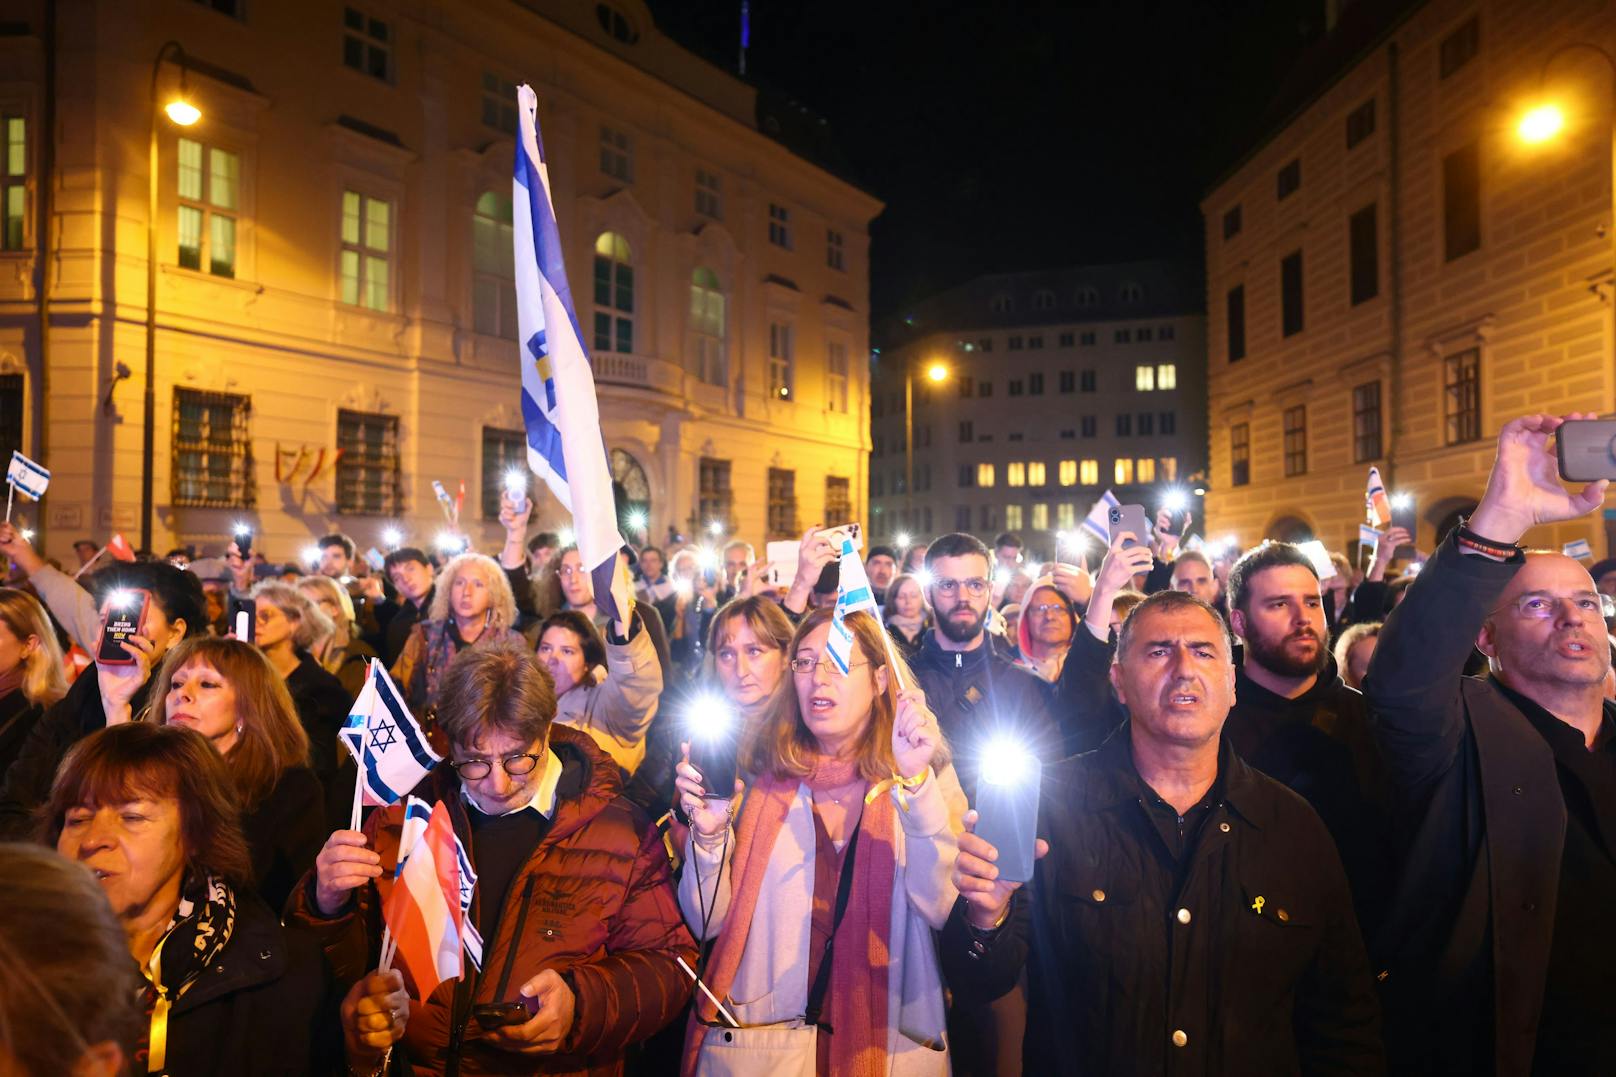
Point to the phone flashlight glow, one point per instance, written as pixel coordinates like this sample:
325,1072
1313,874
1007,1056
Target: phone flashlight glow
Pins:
121,599
1006,761
710,718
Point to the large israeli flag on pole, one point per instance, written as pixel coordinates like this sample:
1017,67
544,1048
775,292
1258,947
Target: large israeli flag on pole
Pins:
565,447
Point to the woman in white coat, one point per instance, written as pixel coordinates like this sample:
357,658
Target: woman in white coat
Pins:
607,688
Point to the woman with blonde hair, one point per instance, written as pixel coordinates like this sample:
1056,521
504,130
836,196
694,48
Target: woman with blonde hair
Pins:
340,652
31,673
851,779
473,604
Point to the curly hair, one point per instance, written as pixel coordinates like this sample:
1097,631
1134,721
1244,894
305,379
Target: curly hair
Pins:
501,600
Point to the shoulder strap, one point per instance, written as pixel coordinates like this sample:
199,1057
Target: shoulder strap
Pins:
844,889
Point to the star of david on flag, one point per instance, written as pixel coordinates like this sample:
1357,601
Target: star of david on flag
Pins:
384,739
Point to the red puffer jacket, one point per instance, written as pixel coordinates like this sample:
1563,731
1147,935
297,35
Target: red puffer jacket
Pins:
600,910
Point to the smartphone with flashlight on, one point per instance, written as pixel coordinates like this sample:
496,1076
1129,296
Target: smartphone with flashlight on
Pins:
714,747
1130,518
1007,794
1404,516
126,616
244,537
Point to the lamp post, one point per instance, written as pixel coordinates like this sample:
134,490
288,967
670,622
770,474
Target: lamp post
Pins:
936,373
183,113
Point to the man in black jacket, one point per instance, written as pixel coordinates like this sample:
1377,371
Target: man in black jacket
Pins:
1501,944
1191,916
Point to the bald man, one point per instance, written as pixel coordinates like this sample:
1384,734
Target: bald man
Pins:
1499,955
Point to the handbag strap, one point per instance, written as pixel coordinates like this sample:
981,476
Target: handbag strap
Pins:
844,889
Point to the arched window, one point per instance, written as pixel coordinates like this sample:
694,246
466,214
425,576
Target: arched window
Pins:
1088,296
614,295
1131,293
1043,299
707,323
493,282
1002,304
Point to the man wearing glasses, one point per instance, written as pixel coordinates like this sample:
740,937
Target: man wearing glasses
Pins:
579,924
1501,942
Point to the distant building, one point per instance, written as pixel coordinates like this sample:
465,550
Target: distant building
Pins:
1058,385
1393,274
335,299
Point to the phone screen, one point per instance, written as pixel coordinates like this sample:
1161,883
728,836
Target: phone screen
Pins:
126,614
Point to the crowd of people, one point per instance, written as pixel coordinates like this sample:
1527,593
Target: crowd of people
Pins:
1295,816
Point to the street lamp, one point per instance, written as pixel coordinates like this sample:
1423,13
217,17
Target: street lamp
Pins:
936,372
181,112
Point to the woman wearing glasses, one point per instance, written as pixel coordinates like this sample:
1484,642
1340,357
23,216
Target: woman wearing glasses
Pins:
580,930
823,889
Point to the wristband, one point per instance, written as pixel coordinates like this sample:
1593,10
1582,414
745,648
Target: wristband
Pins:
1489,547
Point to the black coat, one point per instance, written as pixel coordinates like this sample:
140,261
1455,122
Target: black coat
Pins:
322,706
1482,819
1254,961
285,832
17,719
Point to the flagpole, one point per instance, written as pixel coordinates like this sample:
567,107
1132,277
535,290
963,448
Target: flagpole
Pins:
358,796
86,566
11,492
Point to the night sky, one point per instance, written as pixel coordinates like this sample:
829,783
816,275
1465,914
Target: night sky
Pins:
1008,136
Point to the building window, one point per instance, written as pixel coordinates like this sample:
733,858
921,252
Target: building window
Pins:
1014,343
1144,378
367,44
1360,123
617,24
1067,340
1124,426
1035,384
985,344
212,452
504,451
835,250
782,521
1040,517
779,225
838,501
984,388
1012,517
1231,222
1240,454
1015,473
1122,471
1366,422
11,409
367,245
836,381
1086,381
984,474
1147,424
1090,425
1035,342
493,286
708,326
1290,178
1065,516
1166,376
14,183
614,294
1462,397
709,195
1088,473
716,499
966,385
1015,386
1364,255
1290,294
1459,47
965,430
1087,296
1086,339
962,517
1166,332
1035,473
1131,292
616,154
1068,381
368,471
1296,440
1168,423
1001,304
1067,473
499,104
967,477
1142,334
1169,468
1145,470
1043,299
1235,321
1461,201
782,359
1121,336
209,190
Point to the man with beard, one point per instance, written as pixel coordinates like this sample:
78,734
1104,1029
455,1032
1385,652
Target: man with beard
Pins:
1502,936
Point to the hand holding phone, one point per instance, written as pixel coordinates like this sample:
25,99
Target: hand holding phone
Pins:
1130,518
1007,807
126,616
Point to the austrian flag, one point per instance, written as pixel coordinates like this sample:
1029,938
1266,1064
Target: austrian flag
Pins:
423,911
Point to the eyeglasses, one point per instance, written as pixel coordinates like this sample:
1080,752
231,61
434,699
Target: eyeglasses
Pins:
572,570
803,666
976,587
1542,607
1044,609
475,769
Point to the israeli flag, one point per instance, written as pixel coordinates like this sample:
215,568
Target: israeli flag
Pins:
853,593
384,739
565,446
1579,549
28,477
1098,521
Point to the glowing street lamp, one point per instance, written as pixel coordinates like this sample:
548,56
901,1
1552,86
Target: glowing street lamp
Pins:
182,112
1540,124
937,372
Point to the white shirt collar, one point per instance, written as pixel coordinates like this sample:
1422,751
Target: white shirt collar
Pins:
544,791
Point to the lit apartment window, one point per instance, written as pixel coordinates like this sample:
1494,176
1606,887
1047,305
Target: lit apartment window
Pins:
1012,517
1169,469
709,195
1144,378
1040,517
708,327
367,245
367,44
499,104
984,474
212,450
1145,469
1462,396
1015,473
835,250
782,353
13,182
1035,473
782,506
503,451
779,225
836,381
209,190
1167,376
1065,516
1123,471
368,471
1067,472
1088,473
616,154
493,285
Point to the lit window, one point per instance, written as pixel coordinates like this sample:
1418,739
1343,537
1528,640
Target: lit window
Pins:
836,381
367,244
493,285
1124,471
1035,473
614,294
209,200
1167,376
1040,517
1088,473
13,182
1144,378
1015,473
1068,472
1169,468
1012,517
984,474
708,326
1065,515
1145,469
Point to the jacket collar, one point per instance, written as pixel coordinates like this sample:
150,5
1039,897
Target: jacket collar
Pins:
255,954
1116,780
933,655
1252,694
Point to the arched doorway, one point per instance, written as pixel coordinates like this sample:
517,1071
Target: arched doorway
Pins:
632,492
1289,529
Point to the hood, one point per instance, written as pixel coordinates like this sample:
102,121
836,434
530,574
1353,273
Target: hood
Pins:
1023,639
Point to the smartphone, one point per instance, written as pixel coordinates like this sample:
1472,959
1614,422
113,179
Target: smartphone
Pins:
714,757
244,537
246,619
1007,816
835,535
126,615
782,558
1130,518
1177,520
1405,516
491,1015
375,559
1587,449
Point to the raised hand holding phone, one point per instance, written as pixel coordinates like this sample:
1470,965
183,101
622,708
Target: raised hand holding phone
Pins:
978,879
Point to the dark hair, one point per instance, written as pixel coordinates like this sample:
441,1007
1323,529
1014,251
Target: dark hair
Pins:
1008,538
881,551
403,554
543,539
1268,555
66,981
337,538
653,549
123,762
581,626
177,592
1170,602
957,544
496,687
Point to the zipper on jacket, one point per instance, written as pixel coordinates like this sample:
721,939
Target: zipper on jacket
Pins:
958,662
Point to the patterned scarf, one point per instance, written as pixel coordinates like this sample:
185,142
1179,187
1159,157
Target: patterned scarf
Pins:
200,931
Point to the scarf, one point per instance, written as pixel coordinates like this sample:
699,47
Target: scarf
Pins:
856,1004
201,930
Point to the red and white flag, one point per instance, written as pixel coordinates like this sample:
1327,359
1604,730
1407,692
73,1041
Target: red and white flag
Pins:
119,548
424,912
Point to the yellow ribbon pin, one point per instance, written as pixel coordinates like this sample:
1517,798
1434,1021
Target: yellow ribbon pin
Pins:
1257,905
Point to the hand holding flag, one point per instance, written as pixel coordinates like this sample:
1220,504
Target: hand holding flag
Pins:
384,739
27,476
423,910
